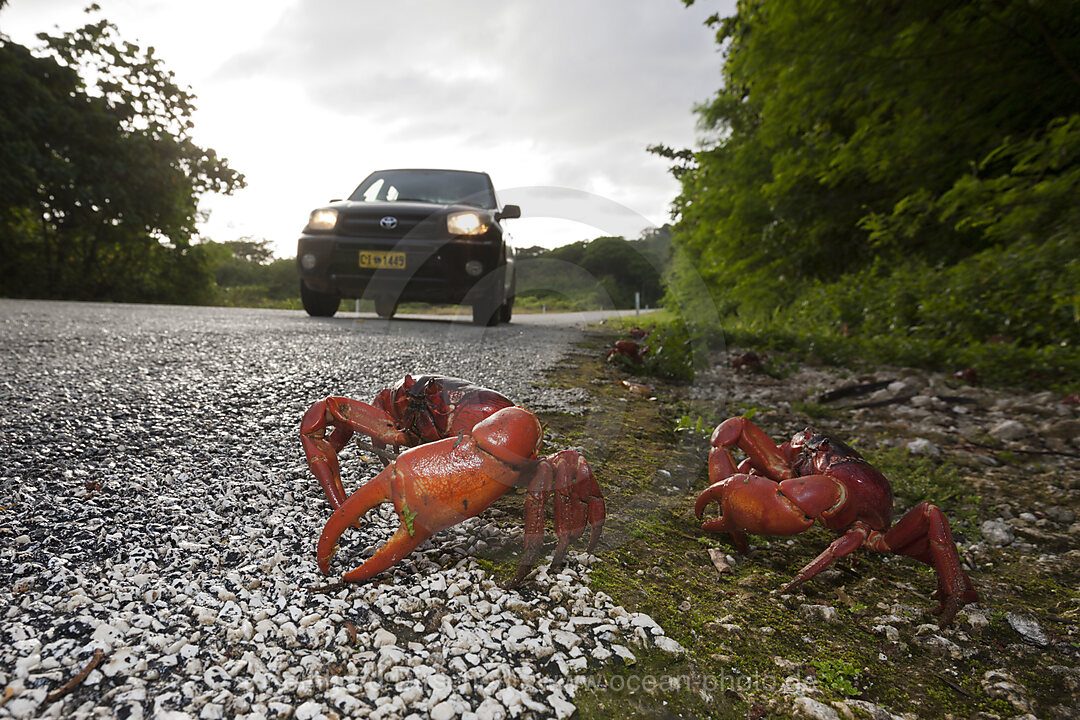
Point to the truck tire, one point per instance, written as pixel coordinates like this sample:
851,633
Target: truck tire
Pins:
318,304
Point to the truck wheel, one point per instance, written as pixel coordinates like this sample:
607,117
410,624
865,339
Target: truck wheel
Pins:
318,304
486,312
506,310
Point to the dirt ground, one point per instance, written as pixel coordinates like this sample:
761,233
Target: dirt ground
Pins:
857,641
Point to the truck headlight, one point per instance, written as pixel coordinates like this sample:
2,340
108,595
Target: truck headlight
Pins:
466,223
324,219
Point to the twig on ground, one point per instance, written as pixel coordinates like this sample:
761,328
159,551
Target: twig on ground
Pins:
74,682
327,589
849,390
954,685
997,448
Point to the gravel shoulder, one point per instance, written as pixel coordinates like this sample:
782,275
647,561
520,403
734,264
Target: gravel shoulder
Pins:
158,525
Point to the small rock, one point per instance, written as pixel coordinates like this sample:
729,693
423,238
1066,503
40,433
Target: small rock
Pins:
876,712
809,708
1061,515
624,653
997,532
491,709
562,708
824,613
890,632
1028,628
308,710
1000,685
383,637
443,711
519,632
721,560
669,646
1009,430
922,446
1064,430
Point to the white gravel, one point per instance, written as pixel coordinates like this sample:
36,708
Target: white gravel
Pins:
154,504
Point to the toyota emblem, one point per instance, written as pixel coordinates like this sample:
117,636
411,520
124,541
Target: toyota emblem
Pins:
388,223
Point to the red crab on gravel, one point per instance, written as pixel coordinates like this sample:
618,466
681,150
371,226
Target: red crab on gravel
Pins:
467,445
783,490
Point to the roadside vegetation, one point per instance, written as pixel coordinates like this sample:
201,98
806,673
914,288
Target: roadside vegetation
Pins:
906,192
101,181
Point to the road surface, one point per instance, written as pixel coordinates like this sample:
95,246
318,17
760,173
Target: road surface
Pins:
155,506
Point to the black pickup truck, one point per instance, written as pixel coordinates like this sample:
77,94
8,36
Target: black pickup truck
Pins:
411,236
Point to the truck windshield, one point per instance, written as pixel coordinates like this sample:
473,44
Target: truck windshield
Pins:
442,187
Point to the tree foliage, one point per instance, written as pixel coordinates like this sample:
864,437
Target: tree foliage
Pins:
99,198
606,271
858,148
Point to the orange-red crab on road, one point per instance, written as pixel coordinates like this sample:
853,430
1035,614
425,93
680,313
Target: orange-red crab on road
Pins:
783,490
489,446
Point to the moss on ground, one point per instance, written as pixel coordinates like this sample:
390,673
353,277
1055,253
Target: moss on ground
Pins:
748,647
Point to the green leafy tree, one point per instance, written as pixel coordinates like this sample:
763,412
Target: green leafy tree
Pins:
607,270
102,198
858,146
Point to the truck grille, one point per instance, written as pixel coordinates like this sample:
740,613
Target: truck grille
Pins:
368,225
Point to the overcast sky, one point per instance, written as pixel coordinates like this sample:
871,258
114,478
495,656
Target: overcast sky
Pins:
557,100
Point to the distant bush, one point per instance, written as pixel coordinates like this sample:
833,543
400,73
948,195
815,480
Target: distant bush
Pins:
605,272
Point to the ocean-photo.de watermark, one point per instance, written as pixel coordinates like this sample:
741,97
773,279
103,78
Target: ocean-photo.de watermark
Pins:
712,684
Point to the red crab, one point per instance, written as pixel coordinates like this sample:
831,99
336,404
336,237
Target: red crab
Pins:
468,446
784,490
630,352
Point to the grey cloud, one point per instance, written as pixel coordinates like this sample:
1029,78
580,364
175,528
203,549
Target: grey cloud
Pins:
590,83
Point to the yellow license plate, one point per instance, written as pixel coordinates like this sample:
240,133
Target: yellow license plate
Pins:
380,260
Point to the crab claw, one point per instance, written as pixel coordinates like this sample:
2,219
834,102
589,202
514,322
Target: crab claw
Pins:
437,485
347,417
375,492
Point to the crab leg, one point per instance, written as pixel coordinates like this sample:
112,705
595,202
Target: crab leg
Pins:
439,484
924,534
535,502
375,492
577,502
347,417
841,547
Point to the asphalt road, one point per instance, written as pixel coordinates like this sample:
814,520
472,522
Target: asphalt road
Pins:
155,505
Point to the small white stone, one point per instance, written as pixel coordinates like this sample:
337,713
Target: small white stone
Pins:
922,446
810,708
443,711
669,646
383,637
308,710
519,632
824,613
997,532
567,639
1008,430
559,704
491,709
